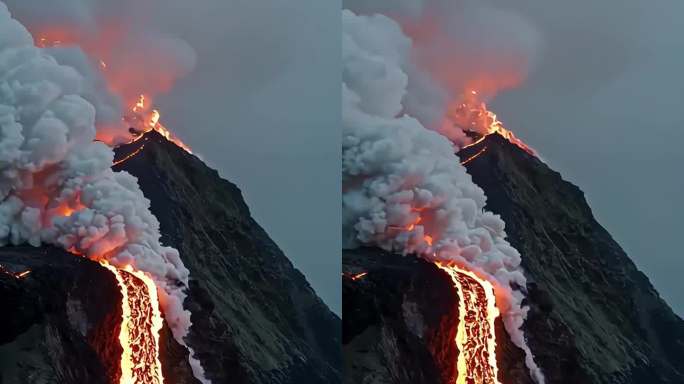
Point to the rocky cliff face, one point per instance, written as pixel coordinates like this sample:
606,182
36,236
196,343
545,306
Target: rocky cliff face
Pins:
255,318
61,320
594,317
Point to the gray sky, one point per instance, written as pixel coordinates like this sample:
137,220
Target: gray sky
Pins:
263,107
604,108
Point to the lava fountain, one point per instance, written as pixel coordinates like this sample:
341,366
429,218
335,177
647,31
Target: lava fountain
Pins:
141,322
475,336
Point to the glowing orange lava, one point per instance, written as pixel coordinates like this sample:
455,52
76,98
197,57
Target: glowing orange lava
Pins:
473,116
475,336
129,156
16,275
143,119
23,274
141,116
140,325
475,156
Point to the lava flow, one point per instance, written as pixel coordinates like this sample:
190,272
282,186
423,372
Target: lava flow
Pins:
143,119
475,336
472,115
140,325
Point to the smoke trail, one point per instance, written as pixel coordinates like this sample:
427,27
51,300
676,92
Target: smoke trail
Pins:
56,184
403,187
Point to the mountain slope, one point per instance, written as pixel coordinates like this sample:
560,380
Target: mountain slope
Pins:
255,318
594,317
61,321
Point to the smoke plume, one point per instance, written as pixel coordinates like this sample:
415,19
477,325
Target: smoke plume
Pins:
403,187
56,182
458,48
117,47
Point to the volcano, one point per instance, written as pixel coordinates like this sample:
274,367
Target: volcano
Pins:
255,318
594,317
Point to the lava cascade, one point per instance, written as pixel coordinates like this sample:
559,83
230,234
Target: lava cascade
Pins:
475,336
140,325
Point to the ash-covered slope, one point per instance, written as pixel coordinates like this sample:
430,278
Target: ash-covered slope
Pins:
594,317
255,318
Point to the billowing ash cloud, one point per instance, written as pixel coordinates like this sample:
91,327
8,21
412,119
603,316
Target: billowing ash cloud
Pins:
458,46
403,187
56,184
117,47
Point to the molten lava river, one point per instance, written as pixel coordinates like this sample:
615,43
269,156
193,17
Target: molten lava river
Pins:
140,325
475,336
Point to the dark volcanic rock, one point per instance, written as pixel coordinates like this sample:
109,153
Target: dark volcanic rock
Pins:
400,321
61,322
594,318
255,318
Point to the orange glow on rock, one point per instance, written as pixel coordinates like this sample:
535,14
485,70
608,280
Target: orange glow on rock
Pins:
472,116
145,119
475,336
140,325
475,156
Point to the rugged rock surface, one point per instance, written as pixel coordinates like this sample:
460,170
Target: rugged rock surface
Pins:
60,322
400,320
255,318
594,317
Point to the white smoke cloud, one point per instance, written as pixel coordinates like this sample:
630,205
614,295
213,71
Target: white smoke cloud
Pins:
118,48
458,46
56,182
402,181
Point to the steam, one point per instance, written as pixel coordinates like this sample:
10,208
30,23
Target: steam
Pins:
116,47
403,188
458,46
56,184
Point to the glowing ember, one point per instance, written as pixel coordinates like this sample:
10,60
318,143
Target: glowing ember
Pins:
140,325
129,156
23,274
475,337
473,157
358,276
141,117
473,117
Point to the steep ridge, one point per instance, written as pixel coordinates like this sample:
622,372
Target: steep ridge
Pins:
594,317
255,318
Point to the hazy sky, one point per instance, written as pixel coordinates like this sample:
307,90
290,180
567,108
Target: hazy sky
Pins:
263,107
604,108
